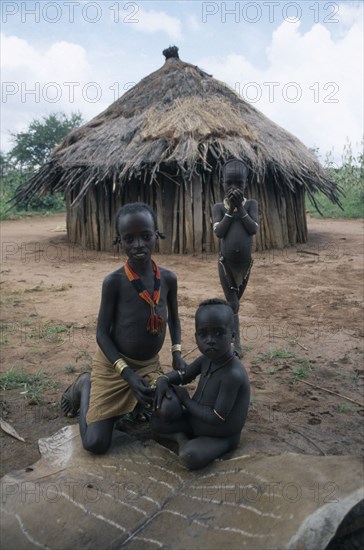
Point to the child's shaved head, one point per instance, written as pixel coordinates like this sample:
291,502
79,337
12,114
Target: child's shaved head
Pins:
234,170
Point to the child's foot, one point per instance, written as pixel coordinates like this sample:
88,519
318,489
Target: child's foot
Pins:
71,398
141,413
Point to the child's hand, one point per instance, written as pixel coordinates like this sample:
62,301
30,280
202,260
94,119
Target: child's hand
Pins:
140,388
162,391
182,393
179,363
230,198
237,197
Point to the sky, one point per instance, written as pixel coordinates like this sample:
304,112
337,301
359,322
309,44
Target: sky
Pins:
300,63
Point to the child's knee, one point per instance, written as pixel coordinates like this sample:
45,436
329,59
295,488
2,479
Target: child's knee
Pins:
171,409
191,459
96,445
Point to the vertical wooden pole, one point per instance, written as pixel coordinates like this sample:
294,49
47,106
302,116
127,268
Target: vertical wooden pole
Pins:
176,220
197,214
181,231
188,219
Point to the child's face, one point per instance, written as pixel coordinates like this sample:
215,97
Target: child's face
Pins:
214,331
137,235
232,184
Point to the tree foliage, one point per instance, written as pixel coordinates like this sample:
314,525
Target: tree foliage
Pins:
32,148
34,145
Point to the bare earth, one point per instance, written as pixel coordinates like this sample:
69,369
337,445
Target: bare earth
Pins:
301,324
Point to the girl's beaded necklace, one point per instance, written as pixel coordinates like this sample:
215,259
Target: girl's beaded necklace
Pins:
155,322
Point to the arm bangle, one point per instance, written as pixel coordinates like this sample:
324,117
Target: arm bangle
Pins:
228,215
176,347
219,415
120,365
244,216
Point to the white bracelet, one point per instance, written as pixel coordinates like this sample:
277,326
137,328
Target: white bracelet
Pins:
244,216
228,215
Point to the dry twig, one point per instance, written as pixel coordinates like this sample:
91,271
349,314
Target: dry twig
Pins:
308,252
308,439
333,392
189,352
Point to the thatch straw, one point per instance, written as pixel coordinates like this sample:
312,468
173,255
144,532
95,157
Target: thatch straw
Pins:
178,119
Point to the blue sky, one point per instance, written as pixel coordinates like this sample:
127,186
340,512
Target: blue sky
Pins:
300,63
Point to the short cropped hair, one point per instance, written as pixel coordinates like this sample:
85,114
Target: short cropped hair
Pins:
234,169
134,208
215,302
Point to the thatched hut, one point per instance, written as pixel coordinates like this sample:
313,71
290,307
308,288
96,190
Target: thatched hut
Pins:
163,142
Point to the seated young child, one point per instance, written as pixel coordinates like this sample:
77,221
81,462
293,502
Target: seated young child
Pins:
209,423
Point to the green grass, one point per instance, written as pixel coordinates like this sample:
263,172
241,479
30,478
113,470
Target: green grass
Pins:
304,370
49,333
70,369
352,203
301,372
247,347
343,408
276,353
31,386
304,366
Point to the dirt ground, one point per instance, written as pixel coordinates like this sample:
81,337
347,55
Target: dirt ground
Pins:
301,325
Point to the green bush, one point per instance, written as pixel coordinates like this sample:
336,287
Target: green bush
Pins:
350,179
47,204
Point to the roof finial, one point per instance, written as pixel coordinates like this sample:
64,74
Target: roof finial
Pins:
172,51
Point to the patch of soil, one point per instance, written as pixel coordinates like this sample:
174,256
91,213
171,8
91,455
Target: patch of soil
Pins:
301,324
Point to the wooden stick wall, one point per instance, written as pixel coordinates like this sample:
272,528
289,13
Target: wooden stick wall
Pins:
184,214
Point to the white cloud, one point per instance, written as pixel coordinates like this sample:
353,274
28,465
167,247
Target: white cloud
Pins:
193,23
61,61
310,86
16,52
36,82
158,21
348,14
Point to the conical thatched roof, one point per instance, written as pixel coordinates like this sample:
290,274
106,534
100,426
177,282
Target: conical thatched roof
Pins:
178,120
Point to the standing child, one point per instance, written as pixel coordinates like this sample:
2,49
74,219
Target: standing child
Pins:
208,424
138,301
235,221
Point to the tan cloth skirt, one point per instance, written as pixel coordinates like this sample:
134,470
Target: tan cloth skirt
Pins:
110,394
